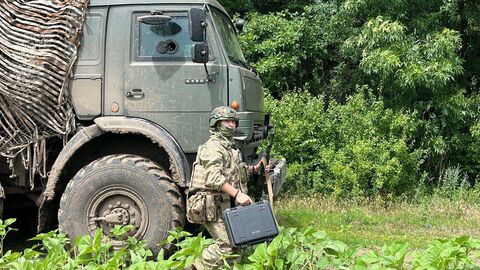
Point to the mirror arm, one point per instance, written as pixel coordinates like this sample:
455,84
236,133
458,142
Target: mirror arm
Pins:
211,77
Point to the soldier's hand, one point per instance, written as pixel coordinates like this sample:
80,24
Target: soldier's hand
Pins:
267,168
243,199
259,165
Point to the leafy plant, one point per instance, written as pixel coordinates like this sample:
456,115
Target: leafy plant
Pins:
448,254
390,257
291,249
357,149
5,228
299,249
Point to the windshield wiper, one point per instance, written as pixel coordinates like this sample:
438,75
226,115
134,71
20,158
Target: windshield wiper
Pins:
239,62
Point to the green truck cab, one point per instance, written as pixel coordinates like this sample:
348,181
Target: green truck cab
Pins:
147,76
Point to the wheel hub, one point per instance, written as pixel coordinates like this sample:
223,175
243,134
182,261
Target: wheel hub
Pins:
117,206
117,216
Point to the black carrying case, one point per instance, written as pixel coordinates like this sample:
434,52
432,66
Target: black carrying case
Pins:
249,225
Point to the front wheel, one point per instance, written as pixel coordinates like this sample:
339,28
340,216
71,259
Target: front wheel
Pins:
122,190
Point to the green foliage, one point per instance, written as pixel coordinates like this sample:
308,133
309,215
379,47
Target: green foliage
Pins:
448,254
240,7
390,257
95,252
187,250
415,55
413,73
310,249
4,229
288,49
360,148
300,249
263,6
291,249
402,65
452,183
273,42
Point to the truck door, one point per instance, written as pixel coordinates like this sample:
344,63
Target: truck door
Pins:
149,72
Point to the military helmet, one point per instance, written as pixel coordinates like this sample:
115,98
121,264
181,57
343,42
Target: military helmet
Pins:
222,113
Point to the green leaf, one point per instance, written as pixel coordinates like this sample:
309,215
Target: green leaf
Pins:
320,235
260,254
274,247
278,264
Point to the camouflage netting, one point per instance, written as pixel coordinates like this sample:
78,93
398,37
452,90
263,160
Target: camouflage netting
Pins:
38,46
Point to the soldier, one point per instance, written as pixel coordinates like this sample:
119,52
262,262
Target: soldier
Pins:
219,180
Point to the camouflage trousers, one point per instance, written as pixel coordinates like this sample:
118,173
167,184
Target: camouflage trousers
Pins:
214,255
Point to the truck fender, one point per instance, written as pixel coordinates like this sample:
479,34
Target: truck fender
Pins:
179,168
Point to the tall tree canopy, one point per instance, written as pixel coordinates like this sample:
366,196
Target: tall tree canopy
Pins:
263,6
417,57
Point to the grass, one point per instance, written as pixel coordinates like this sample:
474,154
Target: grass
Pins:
376,223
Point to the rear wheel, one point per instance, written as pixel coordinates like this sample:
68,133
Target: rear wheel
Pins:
122,190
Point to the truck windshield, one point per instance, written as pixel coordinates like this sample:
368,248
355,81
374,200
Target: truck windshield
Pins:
229,39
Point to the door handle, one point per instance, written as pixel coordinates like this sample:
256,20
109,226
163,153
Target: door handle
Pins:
135,93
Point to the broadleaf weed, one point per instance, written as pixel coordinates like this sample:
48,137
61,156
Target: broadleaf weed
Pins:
292,249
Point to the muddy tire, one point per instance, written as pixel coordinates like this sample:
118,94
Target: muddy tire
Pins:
122,190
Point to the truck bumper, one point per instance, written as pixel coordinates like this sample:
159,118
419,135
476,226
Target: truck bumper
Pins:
278,174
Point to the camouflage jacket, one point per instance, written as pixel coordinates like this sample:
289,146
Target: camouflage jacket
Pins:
218,162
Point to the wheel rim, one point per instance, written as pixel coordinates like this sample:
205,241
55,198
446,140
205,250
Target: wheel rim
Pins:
116,205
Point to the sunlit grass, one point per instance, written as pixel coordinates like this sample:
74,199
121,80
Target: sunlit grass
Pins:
372,223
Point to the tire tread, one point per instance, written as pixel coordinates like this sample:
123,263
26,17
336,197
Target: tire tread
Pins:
177,206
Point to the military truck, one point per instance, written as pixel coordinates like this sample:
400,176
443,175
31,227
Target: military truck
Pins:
147,76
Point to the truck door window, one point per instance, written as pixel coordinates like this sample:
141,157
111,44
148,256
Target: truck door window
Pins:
229,39
169,41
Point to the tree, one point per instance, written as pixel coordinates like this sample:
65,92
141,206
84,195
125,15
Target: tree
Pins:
418,56
242,7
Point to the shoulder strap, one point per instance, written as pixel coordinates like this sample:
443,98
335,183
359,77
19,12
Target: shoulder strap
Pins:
193,170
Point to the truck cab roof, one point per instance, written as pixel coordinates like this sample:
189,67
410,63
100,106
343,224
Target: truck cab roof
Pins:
213,3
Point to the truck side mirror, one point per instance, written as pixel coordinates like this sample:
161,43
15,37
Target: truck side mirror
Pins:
200,53
197,24
239,25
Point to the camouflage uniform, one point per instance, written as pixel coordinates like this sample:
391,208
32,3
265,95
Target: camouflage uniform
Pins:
218,162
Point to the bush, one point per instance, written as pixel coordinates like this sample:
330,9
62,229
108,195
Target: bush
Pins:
416,55
357,149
